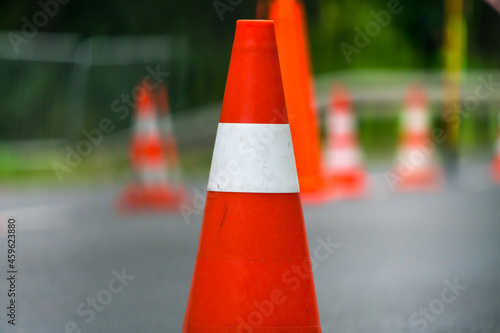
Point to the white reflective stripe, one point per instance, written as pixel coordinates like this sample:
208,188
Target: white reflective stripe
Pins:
341,123
416,120
343,159
152,175
253,158
146,124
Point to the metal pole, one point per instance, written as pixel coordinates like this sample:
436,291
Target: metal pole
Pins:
454,37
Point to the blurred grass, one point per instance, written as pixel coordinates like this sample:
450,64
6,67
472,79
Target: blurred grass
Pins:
102,166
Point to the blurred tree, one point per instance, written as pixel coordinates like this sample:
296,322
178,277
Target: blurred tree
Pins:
412,39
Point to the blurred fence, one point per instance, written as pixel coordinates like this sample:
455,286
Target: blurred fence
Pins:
55,85
60,84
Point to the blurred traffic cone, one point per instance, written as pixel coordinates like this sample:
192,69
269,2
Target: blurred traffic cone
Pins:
416,169
496,160
343,157
169,143
262,11
253,232
288,16
149,189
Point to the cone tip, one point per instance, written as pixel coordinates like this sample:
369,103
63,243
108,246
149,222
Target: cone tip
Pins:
254,33
254,22
254,89
255,26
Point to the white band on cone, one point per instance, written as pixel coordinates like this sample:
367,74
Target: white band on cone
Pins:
342,123
146,123
253,158
416,120
340,159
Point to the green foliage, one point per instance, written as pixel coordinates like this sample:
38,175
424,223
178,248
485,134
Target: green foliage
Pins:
38,92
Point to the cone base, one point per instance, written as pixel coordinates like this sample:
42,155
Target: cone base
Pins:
422,180
311,184
138,198
191,328
318,197
350,184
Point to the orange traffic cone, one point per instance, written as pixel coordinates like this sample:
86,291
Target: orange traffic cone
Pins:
416,169
288,16
253,231
496,161
170,143
149,189
343,157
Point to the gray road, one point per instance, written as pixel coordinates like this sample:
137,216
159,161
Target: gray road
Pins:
396,256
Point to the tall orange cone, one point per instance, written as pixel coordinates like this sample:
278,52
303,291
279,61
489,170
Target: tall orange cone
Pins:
149,189
253,232
343,157
416,167
496,161
289,19
169,142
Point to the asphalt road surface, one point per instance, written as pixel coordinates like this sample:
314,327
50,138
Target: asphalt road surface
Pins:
402,263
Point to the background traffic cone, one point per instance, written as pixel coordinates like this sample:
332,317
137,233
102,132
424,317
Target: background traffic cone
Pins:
417,169
169,141
343,157
496,160
149,189
289,19
253,232
262,10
